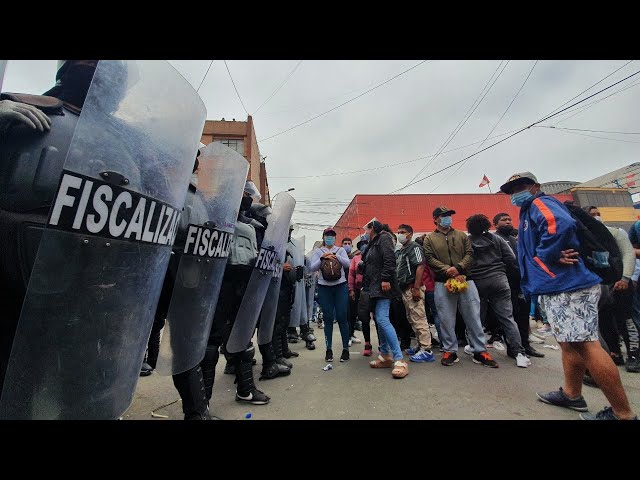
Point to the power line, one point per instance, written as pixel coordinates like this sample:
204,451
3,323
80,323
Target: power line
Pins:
465,119
599,81
585,130
525,128
582,109
205,75
494,126
399,163
234,86
278,89
587,135
348,101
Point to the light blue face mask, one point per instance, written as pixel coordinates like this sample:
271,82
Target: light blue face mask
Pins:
329,241
519,198
445,222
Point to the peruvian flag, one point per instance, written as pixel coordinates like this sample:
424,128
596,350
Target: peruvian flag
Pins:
485,181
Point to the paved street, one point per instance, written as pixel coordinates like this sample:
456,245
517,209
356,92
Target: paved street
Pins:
354,391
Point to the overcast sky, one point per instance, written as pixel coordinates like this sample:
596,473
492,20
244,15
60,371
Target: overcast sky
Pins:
410,117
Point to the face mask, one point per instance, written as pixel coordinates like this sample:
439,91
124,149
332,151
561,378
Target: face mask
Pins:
194,179
505,229
598,217
347,248
365,237
329,241
363,249
75,84
445,222
398,246
402,238
518,199
246,203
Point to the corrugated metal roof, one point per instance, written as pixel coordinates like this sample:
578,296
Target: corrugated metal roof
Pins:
417,209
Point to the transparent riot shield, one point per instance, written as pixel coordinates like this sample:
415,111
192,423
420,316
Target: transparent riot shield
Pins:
103,254
270,304
301,285
299,298
3,65
209,221
266,271
310,286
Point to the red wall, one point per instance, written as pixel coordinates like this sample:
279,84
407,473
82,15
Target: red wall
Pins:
417,210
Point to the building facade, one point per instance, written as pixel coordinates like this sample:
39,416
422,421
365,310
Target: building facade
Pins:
241,137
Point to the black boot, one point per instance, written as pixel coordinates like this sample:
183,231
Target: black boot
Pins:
271,369
532,352
280,347
229,368
292,335
208,365
286,351
246,390
307,336
190,386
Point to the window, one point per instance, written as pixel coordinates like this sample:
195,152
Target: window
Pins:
236,144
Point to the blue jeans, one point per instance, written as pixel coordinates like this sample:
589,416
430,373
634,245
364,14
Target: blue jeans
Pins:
431,302
388,338
334,299
469,304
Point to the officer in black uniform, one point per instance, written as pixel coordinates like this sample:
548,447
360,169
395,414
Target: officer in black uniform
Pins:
30,166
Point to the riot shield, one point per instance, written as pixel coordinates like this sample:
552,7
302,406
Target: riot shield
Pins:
103,254
310,286
267,271
299,300
301,286
208,222
3,65
270,304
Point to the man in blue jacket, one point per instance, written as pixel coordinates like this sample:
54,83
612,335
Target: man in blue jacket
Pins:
568,292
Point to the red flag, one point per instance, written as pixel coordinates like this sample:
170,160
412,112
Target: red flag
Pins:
485,181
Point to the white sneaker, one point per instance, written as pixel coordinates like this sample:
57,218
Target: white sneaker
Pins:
498,346
349,342
535,339
355,339
468,350
522,361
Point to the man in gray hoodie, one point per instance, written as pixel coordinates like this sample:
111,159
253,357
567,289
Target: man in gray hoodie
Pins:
492,257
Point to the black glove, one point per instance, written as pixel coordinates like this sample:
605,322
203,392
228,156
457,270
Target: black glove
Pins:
360,268
299,273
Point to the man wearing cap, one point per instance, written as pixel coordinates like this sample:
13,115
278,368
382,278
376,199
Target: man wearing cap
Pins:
568,291
449,254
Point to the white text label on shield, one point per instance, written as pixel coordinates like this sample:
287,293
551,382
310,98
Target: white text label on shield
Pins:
90,206
267,260
207,242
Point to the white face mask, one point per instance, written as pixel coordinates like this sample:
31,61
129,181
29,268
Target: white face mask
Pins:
402,238
598,217
194,179
398,246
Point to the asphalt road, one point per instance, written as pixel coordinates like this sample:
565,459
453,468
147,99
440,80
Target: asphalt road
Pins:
354,391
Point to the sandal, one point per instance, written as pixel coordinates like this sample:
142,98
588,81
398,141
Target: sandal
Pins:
400,369
382,362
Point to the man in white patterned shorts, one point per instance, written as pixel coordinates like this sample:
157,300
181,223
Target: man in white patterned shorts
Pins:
568,293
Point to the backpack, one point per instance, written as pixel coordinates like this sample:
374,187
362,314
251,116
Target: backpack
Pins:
598,247
331,269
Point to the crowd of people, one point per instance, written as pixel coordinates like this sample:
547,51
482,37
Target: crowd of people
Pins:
479,289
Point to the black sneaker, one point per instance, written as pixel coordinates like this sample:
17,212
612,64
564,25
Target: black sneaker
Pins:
329,356
633,364
485,359
617,359
449,358
605,414
589,381
345,355
560,399
255,397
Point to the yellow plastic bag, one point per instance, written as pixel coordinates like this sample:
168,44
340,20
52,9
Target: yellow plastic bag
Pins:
454,286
